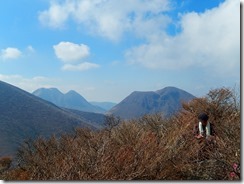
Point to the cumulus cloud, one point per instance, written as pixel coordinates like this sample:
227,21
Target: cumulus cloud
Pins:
10,53
79,67
56,15
210,39
70,52
110,19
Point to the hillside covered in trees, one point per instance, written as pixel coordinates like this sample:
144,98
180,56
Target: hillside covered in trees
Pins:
148,148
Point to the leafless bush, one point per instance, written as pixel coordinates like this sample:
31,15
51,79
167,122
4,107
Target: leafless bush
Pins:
149,148
5,163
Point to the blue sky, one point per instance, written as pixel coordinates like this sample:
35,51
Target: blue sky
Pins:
106,49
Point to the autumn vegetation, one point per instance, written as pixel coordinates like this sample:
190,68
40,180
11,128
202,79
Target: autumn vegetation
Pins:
149,148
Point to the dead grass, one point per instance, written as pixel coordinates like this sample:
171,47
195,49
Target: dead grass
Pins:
149,148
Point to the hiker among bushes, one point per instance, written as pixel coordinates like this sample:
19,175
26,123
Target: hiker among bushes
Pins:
204,129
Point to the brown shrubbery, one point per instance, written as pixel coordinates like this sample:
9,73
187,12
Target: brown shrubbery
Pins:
149,148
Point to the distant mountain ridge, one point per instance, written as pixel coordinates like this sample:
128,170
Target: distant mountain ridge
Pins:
93,118
71,100
167,100
104,105
23,116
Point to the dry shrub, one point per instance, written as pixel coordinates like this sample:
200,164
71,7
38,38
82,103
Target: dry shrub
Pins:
204,160
148,148
5,164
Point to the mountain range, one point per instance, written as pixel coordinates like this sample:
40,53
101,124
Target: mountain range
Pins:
167,101
104,105
24,116
71,100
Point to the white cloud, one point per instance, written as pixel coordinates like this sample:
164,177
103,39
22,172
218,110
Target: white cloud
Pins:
57,14
28,84
79,67
110,19
10,53
70,52
30,49
210,39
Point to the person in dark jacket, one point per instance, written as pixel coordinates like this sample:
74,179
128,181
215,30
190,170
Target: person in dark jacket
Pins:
204,129
205,133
